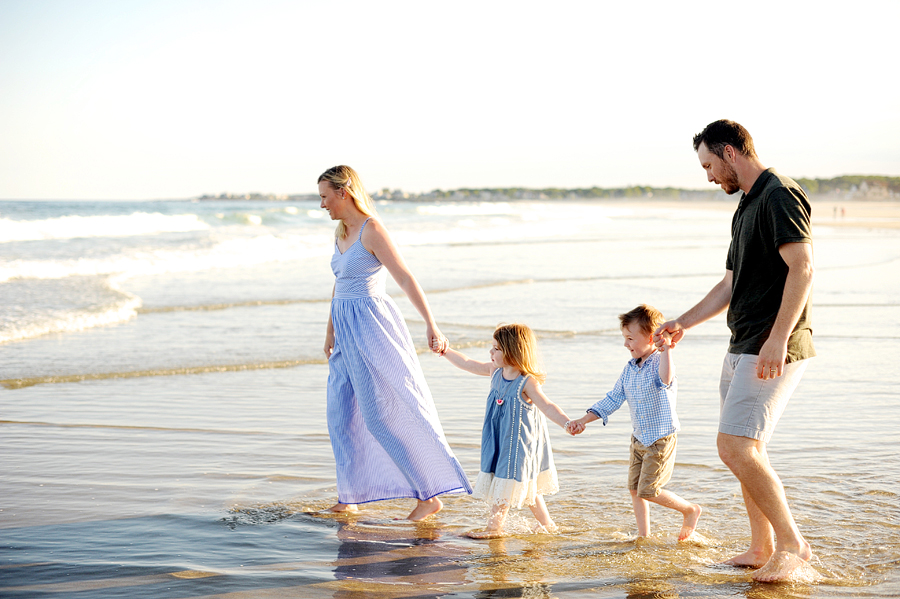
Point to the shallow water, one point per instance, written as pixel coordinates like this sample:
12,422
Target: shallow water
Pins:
173,447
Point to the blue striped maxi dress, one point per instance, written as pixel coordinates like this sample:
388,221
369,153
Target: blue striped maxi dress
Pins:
387,440
516,457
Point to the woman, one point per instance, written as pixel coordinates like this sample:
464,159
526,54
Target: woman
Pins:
384,429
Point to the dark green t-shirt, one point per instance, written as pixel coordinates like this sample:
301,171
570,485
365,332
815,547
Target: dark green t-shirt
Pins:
775,212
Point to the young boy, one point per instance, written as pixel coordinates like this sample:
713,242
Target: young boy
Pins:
648,385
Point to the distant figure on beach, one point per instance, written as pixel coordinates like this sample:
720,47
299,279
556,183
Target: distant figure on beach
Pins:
516,459
387,440
767,292
649,386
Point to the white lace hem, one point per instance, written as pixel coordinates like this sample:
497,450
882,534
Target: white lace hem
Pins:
506,491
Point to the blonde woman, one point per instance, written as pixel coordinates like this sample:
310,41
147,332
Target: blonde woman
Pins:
516,459
387,440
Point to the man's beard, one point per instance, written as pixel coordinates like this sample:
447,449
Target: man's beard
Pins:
729,180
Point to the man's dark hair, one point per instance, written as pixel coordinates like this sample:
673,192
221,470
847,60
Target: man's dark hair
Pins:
723,133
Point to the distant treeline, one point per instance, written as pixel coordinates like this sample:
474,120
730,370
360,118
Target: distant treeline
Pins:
557,193
849,186
866,184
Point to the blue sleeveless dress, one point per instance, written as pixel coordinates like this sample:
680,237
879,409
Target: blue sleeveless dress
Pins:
516,457
387,440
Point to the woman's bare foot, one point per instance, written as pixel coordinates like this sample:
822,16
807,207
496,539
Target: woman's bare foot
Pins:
485,534
424,509
342,507
690,522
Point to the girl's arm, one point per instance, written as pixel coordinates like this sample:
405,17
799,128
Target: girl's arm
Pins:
376,240
329,331
552,411
464,362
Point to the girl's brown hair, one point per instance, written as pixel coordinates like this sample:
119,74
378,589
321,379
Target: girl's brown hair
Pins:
519,346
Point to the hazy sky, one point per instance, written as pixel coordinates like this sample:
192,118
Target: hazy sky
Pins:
148,99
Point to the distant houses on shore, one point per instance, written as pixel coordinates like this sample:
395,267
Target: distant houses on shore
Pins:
846,188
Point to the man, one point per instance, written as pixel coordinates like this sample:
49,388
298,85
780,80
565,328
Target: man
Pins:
766,289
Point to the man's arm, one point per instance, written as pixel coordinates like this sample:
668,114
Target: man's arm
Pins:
797,287
715,302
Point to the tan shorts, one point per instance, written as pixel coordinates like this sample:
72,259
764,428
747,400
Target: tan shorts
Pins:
749,406
651,467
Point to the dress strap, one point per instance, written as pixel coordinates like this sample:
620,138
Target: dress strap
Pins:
363,227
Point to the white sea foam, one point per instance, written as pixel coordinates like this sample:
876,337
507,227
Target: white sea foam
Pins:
71,227
137,262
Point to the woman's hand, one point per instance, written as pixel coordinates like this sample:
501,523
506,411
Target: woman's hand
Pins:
329,344
437,343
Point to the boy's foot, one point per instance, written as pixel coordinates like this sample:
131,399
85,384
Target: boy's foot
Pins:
424,509
342,507
690,522
484,534
784,565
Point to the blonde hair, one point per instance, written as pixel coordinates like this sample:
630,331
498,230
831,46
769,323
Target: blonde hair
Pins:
518,344
344,177
647,317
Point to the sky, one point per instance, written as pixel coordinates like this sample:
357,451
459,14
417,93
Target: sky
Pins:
130,99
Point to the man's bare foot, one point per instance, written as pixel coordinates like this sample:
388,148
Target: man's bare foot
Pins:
690,522
424,509
342,507
784,565
752,558
484,534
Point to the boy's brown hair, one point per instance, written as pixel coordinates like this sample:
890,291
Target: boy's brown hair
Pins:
647,317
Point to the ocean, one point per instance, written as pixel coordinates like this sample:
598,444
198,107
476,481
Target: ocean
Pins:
162,408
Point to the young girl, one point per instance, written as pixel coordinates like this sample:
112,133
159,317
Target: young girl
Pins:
516,461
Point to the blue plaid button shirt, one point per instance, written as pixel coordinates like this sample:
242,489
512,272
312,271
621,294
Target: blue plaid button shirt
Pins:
652,403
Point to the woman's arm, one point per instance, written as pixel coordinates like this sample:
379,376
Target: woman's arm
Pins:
552,411
377,240
464,362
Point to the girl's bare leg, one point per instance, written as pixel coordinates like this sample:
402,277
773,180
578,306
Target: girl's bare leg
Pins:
494,525
539,509
641,513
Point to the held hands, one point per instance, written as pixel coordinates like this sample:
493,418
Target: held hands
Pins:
575,427
668,334
437,343
663,341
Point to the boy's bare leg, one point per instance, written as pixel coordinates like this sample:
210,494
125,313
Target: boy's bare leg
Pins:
690,511
539,509
748,461
343,507
495,524
424,509
641,513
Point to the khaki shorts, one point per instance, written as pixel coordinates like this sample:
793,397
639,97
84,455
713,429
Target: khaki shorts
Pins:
649,468
749,406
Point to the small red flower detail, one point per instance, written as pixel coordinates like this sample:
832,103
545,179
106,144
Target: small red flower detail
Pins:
499,401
